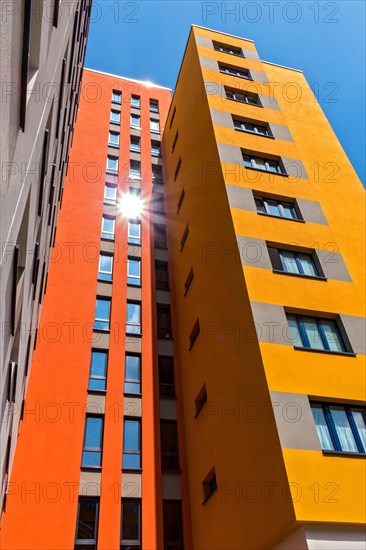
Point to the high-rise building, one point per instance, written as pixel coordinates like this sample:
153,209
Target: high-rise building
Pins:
198,374
42,55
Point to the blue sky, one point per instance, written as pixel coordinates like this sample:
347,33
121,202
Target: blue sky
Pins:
145,40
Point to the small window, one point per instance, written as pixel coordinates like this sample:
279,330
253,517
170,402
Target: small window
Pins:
133,321
209,485
295,263
102,314
98,370
278,208
235,71
263,164
135,101
341,428
184,237
224,48
105,267
154,106
164,321
155,148
169,446
115,117
200,400
175,141
188,281
172,524
135,169
108,227
113,139
93,437
157,173
131,457
131,524
242,96
112,165
87,523
116,97
132,374
134,271
166,376
135,144
194,334
161,275
252,128
110,193
135,121
154,125
160,238
134,232
158,204
315,333
172,118
177,169
180,200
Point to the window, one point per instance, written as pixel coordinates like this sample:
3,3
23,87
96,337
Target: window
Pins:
134,232
105,267
232,50
175,141
194,334
166,376
169,445
209,485
296,263
112,165
315,333
113,139
251,128
131,457
184,237
134,271
135,144
135,120
154,106
157,173
278,208
108,226
135,169
180,200
173,116
158,203
98,371
340,428
102,314
234,71
133,321
133,374
161,275
155,148
188,281
242,97
135,101
93,437
131,524
164,321
160,239
177,169
116,97
266,165
110,193
172,525
87,524
115,117
200,400
154,125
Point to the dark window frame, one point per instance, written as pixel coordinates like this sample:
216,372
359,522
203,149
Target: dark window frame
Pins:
226,48
125,544
168,367
131,381
99,450
194,334
346,347
136,302
93,377
138,420
79,543
280,204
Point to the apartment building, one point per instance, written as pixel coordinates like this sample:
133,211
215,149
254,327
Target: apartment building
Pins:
42,54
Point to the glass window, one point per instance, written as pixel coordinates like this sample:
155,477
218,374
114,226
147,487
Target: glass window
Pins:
154,125
166,376
131,524
133,323
164,321
232,50
157,173
160,239
267,165
131,457
135,101
135,120
251,127
112,165
134,232
315,333
110,193
172,525
155,148
113,139
98,370
133,374
108,225
359,418
299,263
161,275
154,106
116,97
135,144
115,117
105,267
277,208
135,169
133,271
234,71
87,523
169,445
92,449
102,314
242,97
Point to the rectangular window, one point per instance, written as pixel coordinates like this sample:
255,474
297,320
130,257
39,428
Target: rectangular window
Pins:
110,193
297,263
172,525
234,71
242,97
175,141
93,437
340,428
278,208
251,128
315,333
135,121
134,232
180,200
116,97
134,271
209,485
155,148
115,117
87,524
188,281
158,203
135,101
102,314
160,239
166,376
154,106
105,267
194,333
263,164
131,457
169,445
108,227
133,321
177,169
135,169
98,370
132,374
184,237
112,165
131,524
200,400
164,321
224,48
161,275
113,139
154,125
173,116
135,144
157,173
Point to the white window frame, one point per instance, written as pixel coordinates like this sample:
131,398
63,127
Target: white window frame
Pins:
157,122
102,270
119,117
114,226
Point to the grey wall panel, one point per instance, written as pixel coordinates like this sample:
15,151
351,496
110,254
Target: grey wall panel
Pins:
355,328
209,63
269,102
259,76
271,323
280,132
222,118
253,252
312,211
131,485
230,154
241,197
295,168
333,265
172,487
203,41
251,54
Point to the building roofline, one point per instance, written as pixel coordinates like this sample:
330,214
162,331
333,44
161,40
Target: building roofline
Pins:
224,33
282,66
146,83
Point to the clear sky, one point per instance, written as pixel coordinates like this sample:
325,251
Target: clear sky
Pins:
145,40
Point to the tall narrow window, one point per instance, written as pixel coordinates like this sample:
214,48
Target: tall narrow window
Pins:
134,271
161,275
169,445
93,437
154,106
131,524
135,121
175,141
184,237
135,144
135,101
172,524
131,457
134,232
113,139
105,267
108,226
98,370
135,169
173,117
160,239
132,374
180,200
177,169
200,400
133,322
164,321
110,193
166,376
194,333
157,173
209,485
102,314
87,524
116,97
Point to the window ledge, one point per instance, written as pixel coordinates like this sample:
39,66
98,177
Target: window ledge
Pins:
266,171
113,145
133,335
280,217
132,285
90,468
104,281
115,122
168,397
315,277
346,454
245,103
253,133
97,392
135,127
177,471
128,394
329,352
102,330
155,131
132,470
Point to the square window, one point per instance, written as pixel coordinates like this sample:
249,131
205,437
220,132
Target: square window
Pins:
113,139
155,148
164,321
